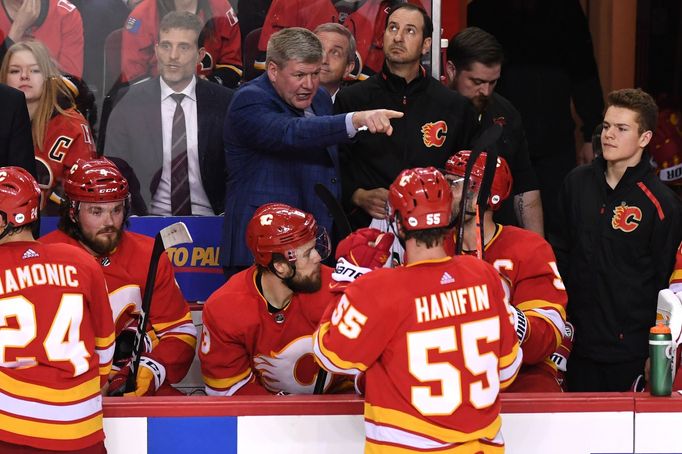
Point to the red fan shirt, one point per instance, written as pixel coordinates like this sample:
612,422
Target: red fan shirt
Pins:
222,45
67,139
60,28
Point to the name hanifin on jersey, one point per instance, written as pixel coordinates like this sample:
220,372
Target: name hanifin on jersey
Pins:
12,280
451,303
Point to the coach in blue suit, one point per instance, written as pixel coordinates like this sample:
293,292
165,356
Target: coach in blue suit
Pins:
280,140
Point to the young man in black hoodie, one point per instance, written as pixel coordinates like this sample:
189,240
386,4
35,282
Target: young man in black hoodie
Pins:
620,229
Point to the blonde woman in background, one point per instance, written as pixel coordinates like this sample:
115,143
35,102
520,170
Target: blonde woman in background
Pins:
61,135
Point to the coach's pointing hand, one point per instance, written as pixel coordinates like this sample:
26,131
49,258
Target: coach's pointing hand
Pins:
376,121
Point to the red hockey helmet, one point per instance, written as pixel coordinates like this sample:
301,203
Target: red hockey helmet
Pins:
502,181
422,197
19,196
95,180
280,228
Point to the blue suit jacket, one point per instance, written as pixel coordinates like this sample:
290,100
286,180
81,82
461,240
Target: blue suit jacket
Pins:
274,153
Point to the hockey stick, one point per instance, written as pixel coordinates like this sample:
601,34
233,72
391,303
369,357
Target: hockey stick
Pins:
342,223
335,208
484,141
167,237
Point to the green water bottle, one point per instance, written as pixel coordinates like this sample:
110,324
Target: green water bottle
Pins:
661,358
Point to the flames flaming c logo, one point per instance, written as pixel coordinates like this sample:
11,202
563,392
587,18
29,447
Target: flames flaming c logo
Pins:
626,218
434,133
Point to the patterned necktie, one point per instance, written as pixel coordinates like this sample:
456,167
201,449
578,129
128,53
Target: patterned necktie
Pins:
180,199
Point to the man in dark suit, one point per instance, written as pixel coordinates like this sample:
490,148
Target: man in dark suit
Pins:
171,126
16,143
281,139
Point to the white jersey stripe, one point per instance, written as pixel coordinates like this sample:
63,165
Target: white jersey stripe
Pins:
400,437
31,409
185,328
554,316
105,355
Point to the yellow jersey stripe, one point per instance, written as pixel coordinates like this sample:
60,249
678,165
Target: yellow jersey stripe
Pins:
506,360
53,431
223,383
186,338
45,394
542,304
162,326
397,418
333,357
231,67
105,342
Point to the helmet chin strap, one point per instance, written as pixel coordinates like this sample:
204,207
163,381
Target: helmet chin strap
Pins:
6,230
74,209
274,271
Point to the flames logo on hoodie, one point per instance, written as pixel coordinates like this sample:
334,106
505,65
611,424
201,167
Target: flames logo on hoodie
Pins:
626,218
434,133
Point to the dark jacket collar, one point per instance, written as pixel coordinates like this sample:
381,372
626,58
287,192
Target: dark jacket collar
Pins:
632,174
398,84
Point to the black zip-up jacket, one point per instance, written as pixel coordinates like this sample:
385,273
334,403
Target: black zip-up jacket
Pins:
616,251
438,122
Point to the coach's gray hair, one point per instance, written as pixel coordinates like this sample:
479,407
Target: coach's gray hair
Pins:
294,43
333,27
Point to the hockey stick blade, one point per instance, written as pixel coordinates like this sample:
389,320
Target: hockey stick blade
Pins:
335,208
175,234
167,237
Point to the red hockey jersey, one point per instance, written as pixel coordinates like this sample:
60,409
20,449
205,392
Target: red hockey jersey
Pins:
367,24
60,28
248,350
534,286
223,45
171,329
436,348
67,139
56,346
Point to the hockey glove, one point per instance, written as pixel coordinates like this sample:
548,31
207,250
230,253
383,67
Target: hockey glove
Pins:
560,357
150,377
123,351
520,324
361,252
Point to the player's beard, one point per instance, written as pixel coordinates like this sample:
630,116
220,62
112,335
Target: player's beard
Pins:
102,245
308,284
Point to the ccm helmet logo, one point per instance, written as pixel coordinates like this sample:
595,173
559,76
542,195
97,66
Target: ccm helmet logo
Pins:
266,219
106,190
